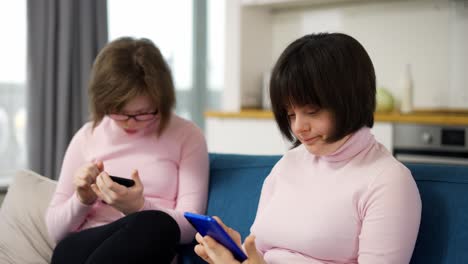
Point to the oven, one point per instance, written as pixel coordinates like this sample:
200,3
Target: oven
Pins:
438,144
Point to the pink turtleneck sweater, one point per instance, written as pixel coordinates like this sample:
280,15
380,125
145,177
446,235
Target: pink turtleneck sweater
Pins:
357,205
172,167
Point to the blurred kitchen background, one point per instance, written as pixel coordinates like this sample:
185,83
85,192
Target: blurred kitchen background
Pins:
221,52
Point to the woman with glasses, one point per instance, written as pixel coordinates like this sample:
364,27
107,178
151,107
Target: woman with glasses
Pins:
133,134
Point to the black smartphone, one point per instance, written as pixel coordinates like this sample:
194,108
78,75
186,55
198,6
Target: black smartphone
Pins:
123,181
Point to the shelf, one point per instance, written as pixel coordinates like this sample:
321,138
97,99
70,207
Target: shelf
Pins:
454,118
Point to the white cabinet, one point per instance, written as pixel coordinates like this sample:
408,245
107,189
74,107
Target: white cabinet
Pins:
244,136
383,132
262,136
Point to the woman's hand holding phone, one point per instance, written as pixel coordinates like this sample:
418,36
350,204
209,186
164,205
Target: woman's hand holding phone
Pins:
214,253
84,178
126,200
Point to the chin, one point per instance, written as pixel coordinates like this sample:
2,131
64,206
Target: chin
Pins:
313,150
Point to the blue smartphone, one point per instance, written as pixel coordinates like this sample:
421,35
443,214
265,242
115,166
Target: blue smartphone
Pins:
206,225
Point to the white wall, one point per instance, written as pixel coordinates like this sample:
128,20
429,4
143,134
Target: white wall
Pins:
432,36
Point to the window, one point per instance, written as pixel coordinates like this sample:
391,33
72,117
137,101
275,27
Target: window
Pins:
12,89
215,53
169,25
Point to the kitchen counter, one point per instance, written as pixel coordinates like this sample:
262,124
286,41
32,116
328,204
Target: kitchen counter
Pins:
440,117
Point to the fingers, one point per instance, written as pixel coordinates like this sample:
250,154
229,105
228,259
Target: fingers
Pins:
85,176
221,223
81,182
250,248
88,173
232,233
106,186
100,165
200,248
136,177
199,238
111,185
200,251
208,249
98,192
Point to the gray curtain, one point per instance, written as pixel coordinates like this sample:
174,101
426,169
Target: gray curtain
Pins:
64,37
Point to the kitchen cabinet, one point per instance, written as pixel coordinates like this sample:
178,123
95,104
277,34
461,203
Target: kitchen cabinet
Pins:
255,132
261,135
244,136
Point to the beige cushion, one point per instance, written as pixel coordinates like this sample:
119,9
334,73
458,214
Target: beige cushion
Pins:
24,237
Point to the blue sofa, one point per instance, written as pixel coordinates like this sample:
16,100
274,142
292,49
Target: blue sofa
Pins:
236,181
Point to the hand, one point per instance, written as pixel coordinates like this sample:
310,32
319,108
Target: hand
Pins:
126,200
84,178
214,253
254,257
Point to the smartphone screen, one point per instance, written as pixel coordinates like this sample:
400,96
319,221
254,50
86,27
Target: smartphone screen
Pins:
206,225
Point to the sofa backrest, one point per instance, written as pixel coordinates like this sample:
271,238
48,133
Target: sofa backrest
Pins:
443,234
235,185
236,182
234,191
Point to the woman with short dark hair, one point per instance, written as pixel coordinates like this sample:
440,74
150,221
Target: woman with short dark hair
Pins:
338,196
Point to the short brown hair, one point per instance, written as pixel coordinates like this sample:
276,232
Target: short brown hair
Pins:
331,71
126,68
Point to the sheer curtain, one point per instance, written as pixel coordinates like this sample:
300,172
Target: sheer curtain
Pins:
12,89
64,36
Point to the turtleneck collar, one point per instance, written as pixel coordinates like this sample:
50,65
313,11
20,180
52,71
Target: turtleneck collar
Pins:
358,141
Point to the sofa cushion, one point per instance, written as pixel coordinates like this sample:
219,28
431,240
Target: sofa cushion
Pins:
24,237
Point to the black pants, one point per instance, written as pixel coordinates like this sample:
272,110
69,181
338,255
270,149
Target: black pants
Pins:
143,237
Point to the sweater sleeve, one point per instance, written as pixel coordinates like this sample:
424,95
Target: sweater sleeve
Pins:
66,213
193,184
391,211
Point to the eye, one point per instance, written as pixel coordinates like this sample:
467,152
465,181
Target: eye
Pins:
312,110
292,115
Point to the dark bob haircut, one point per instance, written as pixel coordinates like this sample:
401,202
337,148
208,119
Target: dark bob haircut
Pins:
331,71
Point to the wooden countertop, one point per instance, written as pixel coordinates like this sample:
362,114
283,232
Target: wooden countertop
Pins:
440,117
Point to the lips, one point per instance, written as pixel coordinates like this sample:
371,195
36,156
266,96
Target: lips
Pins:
130,131
310,140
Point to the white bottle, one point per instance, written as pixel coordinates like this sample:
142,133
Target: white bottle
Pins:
266,103
407,91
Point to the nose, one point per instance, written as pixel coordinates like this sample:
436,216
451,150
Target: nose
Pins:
131,122
300,125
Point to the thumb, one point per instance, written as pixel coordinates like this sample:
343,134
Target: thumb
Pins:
250,248
136,178
100,166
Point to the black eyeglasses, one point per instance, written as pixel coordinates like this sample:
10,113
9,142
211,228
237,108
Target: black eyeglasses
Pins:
137,117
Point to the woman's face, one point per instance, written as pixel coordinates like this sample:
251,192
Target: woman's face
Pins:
312,126
142,113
